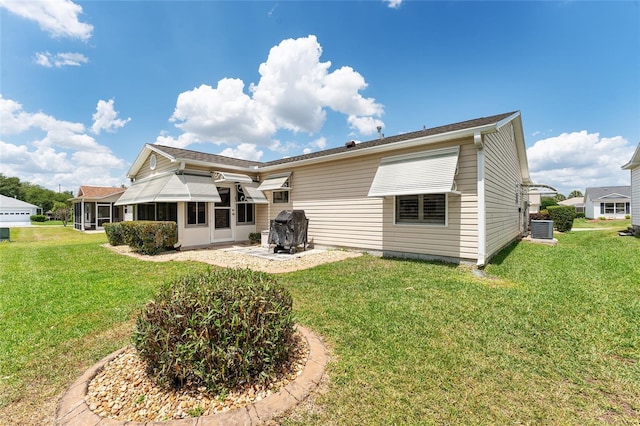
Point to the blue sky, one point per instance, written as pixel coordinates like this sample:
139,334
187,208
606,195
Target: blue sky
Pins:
84,85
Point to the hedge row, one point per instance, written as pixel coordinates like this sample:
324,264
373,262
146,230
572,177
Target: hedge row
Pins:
143,236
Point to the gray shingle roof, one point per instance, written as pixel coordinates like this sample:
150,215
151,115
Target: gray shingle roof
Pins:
222,160
188,154
603,191
469,124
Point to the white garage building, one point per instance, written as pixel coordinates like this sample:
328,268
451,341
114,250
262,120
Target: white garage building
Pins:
14,212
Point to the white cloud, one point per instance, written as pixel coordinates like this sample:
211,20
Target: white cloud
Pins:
393,4
57,17
364,125
105,118
246,151
293,92
64,155
579,160
60,60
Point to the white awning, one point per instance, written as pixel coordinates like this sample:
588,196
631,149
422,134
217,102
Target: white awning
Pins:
232,177
279,181
253,195
171,188
427,172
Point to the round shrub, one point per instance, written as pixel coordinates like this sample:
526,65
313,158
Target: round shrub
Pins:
219,329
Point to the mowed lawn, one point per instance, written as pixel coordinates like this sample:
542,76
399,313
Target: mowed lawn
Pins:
550,336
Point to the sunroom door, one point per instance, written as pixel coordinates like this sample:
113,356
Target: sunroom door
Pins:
104,214
224,216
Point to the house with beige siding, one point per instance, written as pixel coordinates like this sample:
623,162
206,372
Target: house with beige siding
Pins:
457,192
634,166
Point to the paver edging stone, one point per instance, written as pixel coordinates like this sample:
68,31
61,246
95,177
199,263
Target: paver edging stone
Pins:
73,410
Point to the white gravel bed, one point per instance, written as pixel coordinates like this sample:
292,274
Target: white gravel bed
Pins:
251,257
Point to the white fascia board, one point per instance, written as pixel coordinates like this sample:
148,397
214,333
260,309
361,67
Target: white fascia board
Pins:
635,160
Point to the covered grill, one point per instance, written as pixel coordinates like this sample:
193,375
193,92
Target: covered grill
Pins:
288,230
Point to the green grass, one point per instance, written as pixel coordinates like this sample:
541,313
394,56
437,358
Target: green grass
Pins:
597,223
552,336
52,223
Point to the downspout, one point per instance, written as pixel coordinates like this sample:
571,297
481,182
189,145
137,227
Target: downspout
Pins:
482,218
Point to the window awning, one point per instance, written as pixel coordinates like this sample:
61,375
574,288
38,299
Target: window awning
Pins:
171,188
279,181
427,172
253,195
231,177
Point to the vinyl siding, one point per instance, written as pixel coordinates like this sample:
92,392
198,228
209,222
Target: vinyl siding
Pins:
502,182
334,198
635,197
459,238
162,165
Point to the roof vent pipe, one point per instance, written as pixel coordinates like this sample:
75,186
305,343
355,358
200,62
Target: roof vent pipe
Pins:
350,144
380,135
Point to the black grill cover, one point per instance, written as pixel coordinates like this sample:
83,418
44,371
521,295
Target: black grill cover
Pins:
289,229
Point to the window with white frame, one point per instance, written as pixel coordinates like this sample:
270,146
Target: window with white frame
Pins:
281,197
615,208
428,209
196,214
245,209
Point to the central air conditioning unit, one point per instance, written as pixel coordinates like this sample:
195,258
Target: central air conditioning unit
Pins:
542,229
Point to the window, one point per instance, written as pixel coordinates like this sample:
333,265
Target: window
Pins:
281,197
146,212
425,208
615,208
245,214
244,207
197,214
167,212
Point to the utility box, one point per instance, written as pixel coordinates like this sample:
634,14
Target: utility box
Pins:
5,234
542,229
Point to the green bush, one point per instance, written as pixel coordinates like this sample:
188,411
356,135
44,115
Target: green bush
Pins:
218,329
255,237
149,237
542,215
38,218
114,233
562,217
580,215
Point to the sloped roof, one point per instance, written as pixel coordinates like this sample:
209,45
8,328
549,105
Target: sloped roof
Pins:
460,129
186,154
573,201
14,203
463,125
608,191
98,191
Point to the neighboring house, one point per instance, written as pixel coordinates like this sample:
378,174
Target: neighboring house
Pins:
94,205
634,166
14,212
456,192
577,202
610,202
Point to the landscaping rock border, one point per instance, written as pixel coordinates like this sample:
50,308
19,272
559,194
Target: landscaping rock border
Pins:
74,411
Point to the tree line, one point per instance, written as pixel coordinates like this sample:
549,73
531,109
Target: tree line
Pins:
32,194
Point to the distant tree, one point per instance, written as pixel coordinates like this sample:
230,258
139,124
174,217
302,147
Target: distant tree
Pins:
559,197
546,202
11,187
62,211
575,194
31,193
